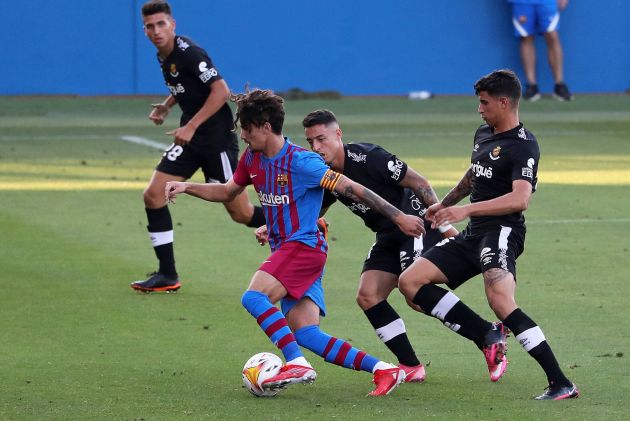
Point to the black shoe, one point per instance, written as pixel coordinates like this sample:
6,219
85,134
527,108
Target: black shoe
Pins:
531,93
557,393
157,282
561,92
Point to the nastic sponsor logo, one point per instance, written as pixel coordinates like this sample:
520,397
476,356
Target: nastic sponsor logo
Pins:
357,157
480,171
273,199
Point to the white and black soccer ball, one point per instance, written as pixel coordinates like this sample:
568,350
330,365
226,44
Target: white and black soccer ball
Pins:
259,368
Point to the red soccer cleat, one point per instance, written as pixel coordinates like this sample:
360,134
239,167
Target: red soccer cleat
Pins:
413,374
387,380
290,374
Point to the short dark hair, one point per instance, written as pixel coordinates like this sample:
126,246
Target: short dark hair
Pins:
156,6
258,107
502,82
321,116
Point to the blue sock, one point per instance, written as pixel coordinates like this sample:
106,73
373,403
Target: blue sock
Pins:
334,350
272,322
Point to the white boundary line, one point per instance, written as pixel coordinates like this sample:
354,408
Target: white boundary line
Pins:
144,141
576,221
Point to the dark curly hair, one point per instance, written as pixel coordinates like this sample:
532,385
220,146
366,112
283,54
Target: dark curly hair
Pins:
258,107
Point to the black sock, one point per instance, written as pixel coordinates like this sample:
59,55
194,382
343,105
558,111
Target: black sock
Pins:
258,218
457,316
161,232
391,330
531,337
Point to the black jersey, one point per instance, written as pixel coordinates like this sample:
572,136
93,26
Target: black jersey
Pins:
189,73
380,171
497,160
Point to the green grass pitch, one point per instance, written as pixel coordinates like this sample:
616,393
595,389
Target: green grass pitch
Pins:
77,343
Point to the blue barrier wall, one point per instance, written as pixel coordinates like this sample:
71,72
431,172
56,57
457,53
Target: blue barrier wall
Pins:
355,47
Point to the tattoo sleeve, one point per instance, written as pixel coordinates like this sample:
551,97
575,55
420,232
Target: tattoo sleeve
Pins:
359,193
461,190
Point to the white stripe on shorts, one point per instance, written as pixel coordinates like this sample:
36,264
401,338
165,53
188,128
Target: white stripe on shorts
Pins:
160,238
531,338
553,25
445,305
227,168
387,332
519,28
503,237
418,245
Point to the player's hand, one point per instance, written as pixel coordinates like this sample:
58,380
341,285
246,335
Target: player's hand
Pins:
410,225
158,113
562,4
182,135
449,215
430,215
262,235
172,189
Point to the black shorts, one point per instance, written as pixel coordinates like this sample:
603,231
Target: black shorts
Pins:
467,255
393,251
184,161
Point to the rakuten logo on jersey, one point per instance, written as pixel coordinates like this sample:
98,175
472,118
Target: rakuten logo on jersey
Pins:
273,199
177,89
395,168
479,170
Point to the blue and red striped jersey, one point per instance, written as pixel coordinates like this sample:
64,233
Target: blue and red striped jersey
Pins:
289,186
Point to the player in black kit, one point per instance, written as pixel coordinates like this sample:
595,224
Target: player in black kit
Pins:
500,181
403,187
205,138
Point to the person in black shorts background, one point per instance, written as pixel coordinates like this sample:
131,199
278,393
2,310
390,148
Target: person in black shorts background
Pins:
500,181
205,138
407,190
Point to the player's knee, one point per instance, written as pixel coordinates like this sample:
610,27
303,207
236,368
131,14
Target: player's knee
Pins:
366,300
152,200
240,215
305,336
409,285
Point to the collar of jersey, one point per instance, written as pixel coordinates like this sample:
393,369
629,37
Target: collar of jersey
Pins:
282,152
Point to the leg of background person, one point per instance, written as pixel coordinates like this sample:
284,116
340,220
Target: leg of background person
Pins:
160,224
555,55
242,211
528,58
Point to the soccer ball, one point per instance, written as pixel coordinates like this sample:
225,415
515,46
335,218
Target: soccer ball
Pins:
259,368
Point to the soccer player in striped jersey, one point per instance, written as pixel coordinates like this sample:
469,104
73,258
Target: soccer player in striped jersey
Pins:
290,182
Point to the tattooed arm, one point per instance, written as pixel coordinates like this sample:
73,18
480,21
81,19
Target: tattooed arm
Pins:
461,190
420,186
408,224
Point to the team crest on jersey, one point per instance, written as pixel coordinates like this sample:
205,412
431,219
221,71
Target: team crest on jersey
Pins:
494,155
282,179
173,70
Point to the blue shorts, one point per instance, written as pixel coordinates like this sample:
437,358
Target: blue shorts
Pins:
532,19
315,293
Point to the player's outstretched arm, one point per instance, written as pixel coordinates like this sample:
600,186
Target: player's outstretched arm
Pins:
212,192
160,111
408,224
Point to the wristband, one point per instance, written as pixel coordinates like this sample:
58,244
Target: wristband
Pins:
444,228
